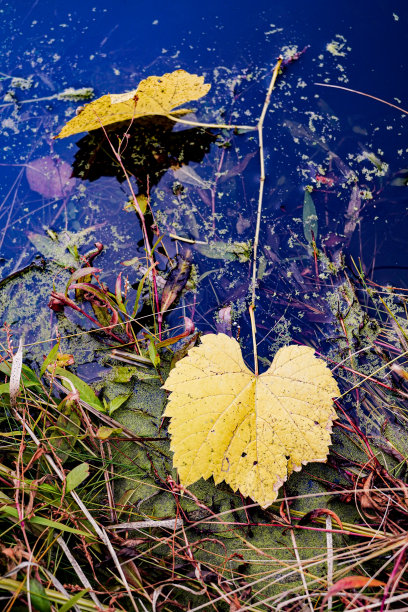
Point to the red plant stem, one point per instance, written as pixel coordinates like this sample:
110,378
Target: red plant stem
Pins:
392,576
71,304
387,346
304,527
374,380
154,273
117,155
356,429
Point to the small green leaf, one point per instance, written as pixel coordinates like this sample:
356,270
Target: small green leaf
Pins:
153,354
5,367
310,226
117,402
76,476
71,602
142,201
5,388
38,596
85,392
105,432
28,377
49,359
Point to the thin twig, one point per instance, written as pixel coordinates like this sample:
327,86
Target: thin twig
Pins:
253,328
260,198
221,126
165,524
361,93
188,240
149,252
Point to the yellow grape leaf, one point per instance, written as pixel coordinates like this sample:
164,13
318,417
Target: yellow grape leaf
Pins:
251,431
153,96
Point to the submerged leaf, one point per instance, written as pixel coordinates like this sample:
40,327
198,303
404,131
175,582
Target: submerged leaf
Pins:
154,96
176,281
52,249
310,227
188,175
50,177
228,251
353,212
152,147
251,431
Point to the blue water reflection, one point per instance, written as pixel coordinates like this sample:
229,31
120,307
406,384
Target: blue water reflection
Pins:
312,134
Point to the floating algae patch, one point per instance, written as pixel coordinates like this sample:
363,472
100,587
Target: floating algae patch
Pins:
24,298
23,303
338,46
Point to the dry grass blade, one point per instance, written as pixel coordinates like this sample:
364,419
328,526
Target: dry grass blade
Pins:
77,568
329,541
15,375
165,524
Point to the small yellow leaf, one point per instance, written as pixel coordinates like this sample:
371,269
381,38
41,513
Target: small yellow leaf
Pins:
154,96
251,431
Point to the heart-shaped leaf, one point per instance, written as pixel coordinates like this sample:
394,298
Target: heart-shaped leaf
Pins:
154,96
251,431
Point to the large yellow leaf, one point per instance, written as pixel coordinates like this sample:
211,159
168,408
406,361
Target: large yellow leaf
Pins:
154,96
251,431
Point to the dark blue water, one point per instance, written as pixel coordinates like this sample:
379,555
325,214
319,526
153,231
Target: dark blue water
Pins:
310,132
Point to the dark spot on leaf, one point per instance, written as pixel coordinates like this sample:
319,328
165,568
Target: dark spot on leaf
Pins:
255,463
243,455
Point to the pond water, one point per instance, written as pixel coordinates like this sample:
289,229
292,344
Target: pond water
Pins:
350,150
